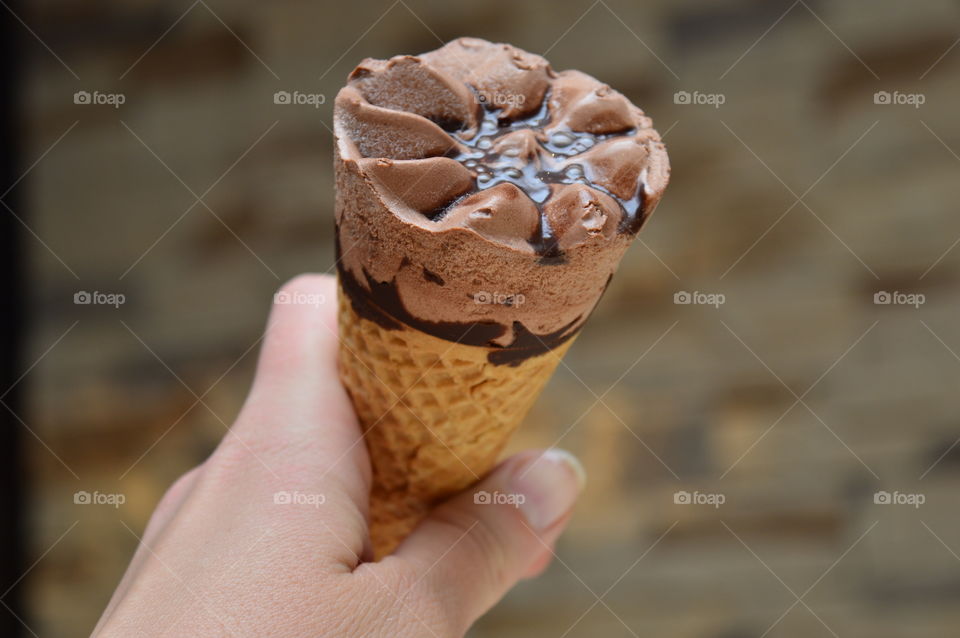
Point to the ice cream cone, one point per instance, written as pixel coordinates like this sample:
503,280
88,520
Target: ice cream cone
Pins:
435,414
484,202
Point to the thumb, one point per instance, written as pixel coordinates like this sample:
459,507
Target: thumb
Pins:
475,547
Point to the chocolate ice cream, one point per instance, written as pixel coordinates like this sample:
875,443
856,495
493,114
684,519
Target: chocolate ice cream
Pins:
485,198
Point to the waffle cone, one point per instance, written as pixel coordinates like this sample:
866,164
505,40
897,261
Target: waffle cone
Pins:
435,414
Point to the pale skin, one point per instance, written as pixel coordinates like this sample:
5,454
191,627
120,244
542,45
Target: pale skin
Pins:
220,557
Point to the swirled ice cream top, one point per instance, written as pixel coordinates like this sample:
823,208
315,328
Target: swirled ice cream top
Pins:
487,139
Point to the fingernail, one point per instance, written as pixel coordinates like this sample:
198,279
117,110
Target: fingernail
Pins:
550,484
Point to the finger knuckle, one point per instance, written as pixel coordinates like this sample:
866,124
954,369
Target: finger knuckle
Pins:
181,485
481,540
411,604
176,492
304,283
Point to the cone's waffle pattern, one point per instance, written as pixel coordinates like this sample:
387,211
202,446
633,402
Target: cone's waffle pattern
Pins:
435,414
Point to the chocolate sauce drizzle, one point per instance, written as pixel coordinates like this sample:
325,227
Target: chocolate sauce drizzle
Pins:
433,277
491,168
380,303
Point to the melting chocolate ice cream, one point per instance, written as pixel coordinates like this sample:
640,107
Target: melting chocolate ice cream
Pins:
484,198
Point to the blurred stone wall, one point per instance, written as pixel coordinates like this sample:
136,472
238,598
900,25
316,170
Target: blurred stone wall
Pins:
808,178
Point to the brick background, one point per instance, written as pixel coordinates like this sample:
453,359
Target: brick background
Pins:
711,407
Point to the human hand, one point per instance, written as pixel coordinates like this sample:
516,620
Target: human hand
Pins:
268,537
